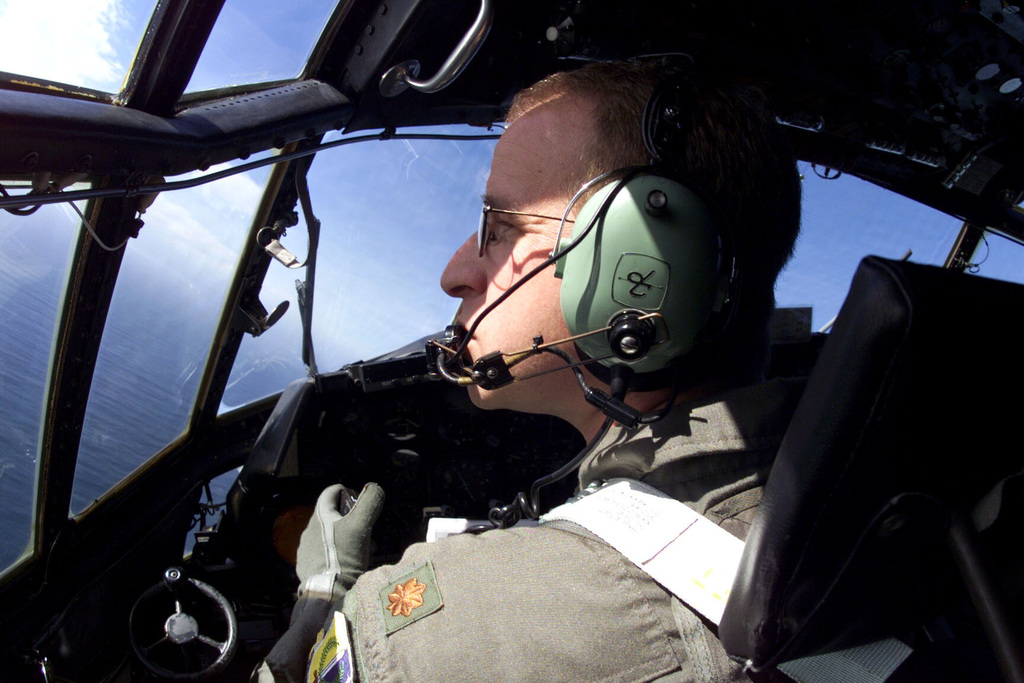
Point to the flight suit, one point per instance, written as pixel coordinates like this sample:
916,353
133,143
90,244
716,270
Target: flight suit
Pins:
556,603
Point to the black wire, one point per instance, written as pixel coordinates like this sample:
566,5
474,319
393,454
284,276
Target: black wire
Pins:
572,366
507,515
620,385
26,211
975,267
651,418
566,469
155,188
504,516
825,175
629,173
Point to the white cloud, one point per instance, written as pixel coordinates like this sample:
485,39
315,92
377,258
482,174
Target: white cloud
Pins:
69,41
195,236
237,195
183,231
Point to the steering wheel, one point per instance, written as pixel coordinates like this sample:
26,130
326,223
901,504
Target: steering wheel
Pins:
183,629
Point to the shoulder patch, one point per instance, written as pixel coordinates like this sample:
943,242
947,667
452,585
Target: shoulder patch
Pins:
409,598
330,660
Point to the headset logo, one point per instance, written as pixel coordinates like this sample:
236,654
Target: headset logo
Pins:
640,281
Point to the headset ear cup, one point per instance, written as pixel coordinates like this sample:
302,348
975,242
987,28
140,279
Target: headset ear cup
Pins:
653,248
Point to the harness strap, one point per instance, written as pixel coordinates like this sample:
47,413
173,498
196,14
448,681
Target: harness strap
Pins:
696,560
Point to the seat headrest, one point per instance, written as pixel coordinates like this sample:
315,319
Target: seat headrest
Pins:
917,391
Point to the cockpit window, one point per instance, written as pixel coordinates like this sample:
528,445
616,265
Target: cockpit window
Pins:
257,41
999,258
392,215
34,263
160,329
85,44
845,219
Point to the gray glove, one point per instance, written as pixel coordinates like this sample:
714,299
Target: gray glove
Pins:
333,551
335,547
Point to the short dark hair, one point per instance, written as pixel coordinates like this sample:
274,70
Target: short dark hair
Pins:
734,149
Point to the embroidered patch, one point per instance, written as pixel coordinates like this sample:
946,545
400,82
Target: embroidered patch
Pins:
330,660
406,597
410,598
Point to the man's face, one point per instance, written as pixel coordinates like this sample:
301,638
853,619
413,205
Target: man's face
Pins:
529,173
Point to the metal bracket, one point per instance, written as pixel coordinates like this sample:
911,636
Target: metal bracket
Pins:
253,318
269,239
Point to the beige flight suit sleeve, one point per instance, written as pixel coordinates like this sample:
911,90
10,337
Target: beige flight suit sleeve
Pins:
532,604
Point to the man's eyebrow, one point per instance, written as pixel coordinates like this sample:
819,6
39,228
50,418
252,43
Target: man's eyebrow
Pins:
491,200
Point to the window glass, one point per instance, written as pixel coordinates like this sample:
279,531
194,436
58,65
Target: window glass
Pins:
394,212
392,215
34,265
212,502
87,44
255,41
846,219
160,328
998,258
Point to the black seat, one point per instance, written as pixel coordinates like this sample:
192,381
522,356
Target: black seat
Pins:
910,424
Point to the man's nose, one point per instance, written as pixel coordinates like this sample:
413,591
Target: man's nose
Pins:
464,275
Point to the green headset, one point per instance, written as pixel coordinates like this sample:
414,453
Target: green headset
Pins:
648,279
655,262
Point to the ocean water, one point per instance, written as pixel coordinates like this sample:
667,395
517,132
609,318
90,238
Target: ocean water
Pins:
141,398
28,316
156,341
33,266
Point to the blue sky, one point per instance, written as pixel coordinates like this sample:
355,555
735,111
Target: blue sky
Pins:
83,42
91,43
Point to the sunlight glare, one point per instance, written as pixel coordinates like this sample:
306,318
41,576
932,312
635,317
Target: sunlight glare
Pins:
68,41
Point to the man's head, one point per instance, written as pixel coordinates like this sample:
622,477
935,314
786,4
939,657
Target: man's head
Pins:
573,126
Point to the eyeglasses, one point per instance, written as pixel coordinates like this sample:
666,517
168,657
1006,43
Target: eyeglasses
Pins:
481,234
